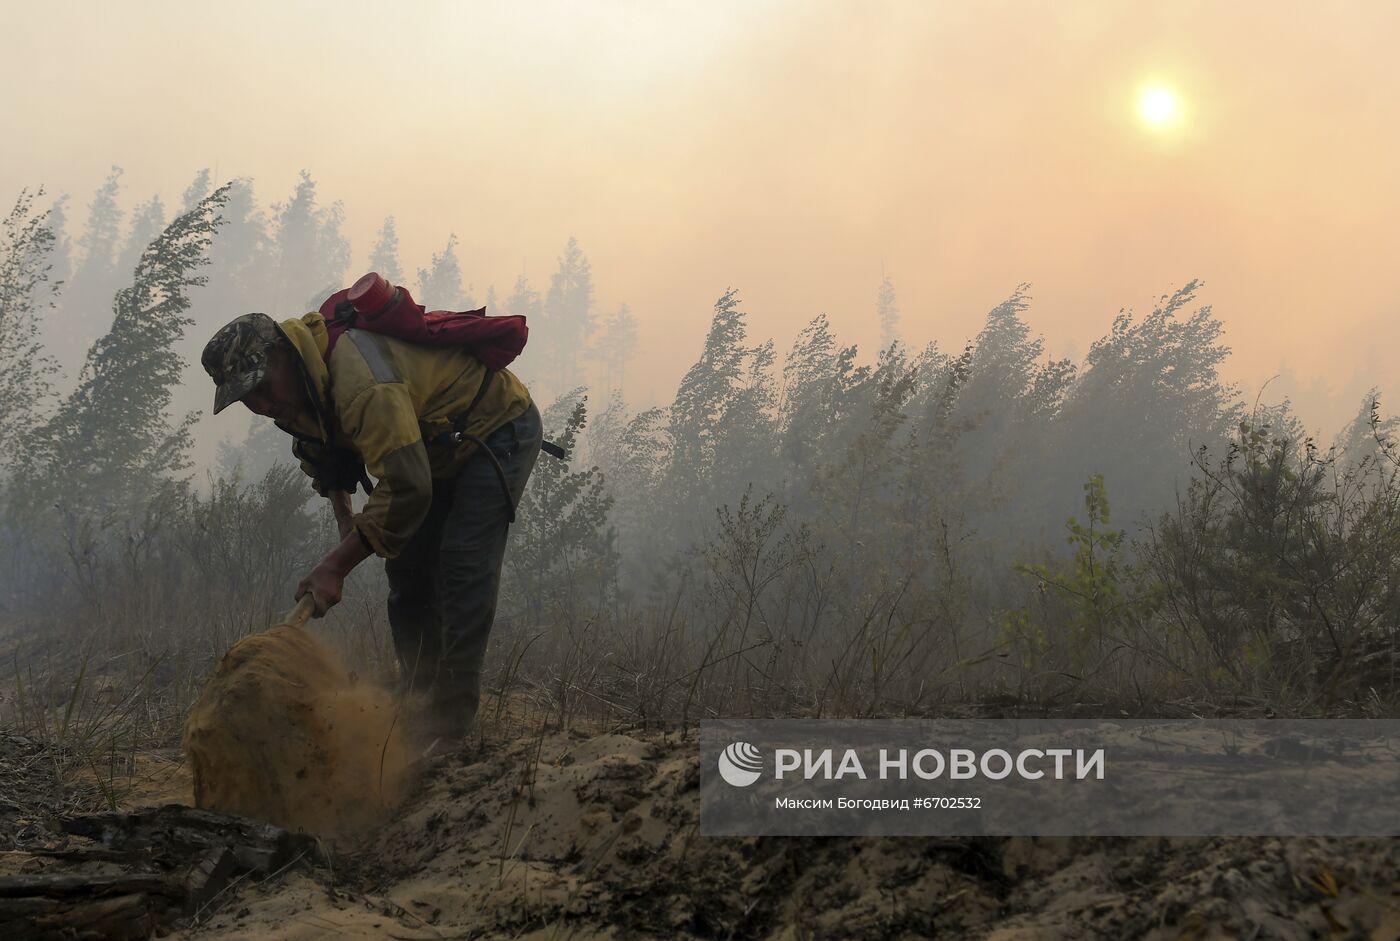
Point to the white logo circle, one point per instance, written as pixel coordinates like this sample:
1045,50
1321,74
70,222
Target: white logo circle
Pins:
740,764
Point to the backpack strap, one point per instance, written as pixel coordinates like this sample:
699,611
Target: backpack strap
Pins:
459,424
458,434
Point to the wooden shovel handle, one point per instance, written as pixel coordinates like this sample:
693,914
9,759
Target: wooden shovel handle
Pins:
298,616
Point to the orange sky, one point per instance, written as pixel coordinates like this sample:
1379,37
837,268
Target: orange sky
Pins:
787,149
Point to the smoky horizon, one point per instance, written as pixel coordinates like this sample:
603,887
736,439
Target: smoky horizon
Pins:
801,153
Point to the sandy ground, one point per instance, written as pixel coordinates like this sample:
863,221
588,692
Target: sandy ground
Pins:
591,836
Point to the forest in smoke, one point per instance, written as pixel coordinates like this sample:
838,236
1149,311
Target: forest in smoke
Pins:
800,530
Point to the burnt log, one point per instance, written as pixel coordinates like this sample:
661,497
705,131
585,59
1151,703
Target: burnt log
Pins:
69,906
175,831
182,859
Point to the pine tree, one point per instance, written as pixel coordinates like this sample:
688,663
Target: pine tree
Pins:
994,404
746,442
99,241
440,284
26,244
561,545
59,254
239,275
196,191
708,392
525,302
1004,360
1150,394
637,470
1001,411
568,315
146,223
820,379
88,298
888,313
1368,436
927,504
310,252
855,488
616,348
385,256
111,442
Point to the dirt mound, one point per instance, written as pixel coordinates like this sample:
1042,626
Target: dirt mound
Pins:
283,733
553,835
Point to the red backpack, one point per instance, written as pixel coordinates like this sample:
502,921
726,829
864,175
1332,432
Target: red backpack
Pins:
373,304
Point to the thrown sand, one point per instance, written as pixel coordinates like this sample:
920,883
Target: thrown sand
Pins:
283,733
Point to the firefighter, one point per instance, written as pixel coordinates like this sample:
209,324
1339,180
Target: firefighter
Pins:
441,508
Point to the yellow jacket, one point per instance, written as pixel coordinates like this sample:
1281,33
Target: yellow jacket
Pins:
382,401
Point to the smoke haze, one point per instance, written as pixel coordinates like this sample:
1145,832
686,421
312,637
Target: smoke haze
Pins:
792,150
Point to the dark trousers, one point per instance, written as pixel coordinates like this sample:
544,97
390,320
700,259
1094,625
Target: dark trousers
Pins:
443,586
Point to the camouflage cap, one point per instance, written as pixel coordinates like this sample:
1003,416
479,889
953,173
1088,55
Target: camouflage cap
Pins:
236,357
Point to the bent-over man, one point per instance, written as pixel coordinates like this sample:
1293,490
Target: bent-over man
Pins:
439,512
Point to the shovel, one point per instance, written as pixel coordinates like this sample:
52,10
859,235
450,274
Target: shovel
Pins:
282,733
299,615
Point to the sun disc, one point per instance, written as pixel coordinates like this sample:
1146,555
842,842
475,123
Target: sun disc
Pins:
1158,106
